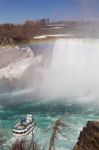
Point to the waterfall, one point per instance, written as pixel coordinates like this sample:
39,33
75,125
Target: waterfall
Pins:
74,69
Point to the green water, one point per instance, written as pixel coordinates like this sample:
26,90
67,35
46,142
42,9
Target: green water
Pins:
45,113
76,77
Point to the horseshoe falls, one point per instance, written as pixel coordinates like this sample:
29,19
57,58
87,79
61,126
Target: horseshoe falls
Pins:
67,88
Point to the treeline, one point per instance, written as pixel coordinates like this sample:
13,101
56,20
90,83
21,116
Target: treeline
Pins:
13,33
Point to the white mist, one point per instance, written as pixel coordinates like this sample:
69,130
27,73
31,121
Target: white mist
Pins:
73,71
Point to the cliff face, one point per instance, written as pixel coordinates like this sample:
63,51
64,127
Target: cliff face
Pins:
19,69
14,61
89,137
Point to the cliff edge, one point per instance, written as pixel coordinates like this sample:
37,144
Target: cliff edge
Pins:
89,137
14,61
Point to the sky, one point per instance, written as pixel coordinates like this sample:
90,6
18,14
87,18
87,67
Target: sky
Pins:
17,11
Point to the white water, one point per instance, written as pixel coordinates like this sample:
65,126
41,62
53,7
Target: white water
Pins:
74,70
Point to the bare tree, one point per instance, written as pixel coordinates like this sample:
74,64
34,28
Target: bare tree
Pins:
56,129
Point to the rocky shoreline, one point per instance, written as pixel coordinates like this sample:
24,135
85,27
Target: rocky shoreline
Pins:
89,137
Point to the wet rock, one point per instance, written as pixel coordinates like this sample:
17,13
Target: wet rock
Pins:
89,137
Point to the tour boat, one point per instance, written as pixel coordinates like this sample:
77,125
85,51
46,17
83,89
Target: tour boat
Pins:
24,127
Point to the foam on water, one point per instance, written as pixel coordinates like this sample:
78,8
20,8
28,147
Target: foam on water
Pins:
45,115
72,76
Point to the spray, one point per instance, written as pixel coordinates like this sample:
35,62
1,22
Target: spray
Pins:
73,71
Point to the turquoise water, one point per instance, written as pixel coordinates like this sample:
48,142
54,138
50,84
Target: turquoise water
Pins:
45,113
73,73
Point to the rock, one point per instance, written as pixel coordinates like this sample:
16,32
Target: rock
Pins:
10,41
14,61
89,137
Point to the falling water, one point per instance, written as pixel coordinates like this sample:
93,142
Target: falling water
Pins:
74,70
73,76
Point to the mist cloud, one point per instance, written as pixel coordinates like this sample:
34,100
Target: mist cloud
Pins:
73,71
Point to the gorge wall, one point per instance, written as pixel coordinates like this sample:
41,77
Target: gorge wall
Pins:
89,137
